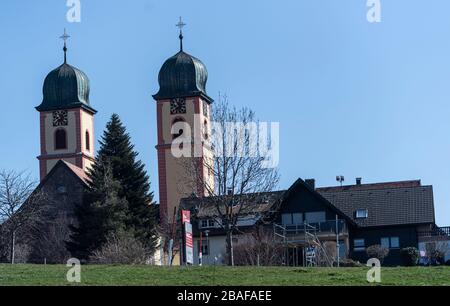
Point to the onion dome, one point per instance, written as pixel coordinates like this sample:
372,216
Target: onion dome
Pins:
66,87
182,75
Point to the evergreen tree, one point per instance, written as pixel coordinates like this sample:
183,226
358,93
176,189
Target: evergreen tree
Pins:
130,185
101,214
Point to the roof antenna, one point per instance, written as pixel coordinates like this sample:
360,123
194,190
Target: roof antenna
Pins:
65,37
340,179
181,25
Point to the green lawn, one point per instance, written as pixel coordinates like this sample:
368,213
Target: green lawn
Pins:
179,276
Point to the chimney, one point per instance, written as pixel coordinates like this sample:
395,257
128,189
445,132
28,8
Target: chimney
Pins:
358,181
311,183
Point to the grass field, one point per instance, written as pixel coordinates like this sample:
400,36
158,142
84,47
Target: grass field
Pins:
220,276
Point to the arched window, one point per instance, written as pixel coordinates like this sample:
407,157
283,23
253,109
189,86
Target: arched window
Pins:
180,131
88,141
60,139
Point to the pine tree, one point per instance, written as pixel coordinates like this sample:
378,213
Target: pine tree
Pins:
116,148
130,185
102,213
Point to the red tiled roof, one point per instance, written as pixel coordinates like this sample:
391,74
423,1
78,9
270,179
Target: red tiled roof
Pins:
78,171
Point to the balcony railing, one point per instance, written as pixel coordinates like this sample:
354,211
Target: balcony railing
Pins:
327,227
436,232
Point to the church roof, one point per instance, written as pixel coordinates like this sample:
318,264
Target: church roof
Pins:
182,75
72,169
66,87
77,171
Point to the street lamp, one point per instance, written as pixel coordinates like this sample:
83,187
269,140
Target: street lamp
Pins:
207,245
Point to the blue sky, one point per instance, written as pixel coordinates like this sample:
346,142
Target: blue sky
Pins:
352,98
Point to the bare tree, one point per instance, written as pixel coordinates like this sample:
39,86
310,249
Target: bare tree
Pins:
258,248
170,236
49,241
20,205
238,175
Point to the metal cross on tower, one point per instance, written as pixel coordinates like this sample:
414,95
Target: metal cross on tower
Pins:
65,37
181,25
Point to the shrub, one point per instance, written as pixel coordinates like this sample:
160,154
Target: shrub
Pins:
377,251
349,263
440,257
121,248
410,256
436,253
447,263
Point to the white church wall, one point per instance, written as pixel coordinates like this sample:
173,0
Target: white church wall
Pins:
87,125
50,133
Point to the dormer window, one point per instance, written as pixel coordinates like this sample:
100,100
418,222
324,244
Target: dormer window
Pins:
362,214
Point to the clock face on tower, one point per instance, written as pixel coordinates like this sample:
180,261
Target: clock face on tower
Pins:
60,118
178,106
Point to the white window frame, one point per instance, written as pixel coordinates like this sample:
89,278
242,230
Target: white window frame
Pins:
207,223
359,248
385,242
398,242
362,213
390,244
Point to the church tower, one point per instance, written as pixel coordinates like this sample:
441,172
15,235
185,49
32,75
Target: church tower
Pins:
182,97
66,118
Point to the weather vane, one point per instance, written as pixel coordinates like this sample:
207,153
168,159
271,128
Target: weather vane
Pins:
181,25
65,37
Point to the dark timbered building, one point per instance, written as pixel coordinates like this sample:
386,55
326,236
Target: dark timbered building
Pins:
346,220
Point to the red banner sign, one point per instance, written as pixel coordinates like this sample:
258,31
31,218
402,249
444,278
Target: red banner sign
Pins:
189,242
185,216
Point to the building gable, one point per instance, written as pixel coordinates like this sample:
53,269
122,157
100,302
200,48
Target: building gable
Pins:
64,187
301,198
